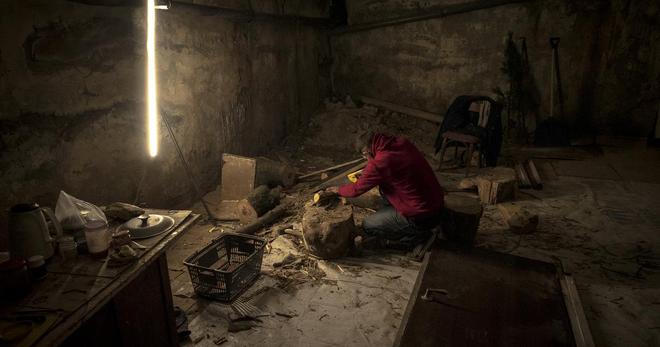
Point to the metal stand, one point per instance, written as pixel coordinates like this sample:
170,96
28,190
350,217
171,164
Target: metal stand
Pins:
186,167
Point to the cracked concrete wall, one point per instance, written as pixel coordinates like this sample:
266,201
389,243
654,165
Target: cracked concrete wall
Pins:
72,108
426,64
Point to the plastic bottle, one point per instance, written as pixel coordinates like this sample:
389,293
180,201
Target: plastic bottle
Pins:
67,246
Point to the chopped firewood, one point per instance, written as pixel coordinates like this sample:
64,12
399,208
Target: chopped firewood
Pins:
534,176
261,200
264,220
496,185
519,220
523,179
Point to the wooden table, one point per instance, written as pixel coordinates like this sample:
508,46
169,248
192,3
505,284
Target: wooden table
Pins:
85,302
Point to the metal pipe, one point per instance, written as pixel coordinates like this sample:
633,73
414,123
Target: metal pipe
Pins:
250,15
189,173
247,14
438,12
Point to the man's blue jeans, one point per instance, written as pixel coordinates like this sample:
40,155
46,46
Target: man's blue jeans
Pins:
388,224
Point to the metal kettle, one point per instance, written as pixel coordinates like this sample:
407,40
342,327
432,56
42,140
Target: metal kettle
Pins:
28,231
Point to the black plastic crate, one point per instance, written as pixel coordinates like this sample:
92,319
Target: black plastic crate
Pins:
226,267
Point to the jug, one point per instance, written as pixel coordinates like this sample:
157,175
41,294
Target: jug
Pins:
28,231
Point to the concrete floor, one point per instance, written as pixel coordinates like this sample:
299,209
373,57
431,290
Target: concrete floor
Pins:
354,302
599,217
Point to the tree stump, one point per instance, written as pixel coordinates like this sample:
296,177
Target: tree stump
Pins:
328,233
496,185
261,200
460,220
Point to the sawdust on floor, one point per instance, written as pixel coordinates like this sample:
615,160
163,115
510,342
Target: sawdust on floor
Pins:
605,231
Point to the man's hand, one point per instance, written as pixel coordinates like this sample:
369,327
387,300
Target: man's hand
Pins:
332,190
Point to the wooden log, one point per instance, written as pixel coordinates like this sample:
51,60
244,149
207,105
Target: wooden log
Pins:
519,220
261,200
496,185
523,179
460,219
329,233
339,166
264,220
435,118
273,173
535,178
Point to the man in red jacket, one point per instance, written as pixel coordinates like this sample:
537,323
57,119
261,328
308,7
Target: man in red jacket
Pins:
413,195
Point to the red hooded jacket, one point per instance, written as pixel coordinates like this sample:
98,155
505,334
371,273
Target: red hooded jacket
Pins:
404,176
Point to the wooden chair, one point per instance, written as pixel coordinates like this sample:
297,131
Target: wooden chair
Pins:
468,141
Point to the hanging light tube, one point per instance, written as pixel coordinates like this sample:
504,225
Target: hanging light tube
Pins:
152,100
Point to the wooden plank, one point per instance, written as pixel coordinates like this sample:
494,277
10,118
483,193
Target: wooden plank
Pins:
492,299
338,166
101,328
339,179
425,14
579,324
411,303
63,292
147,298
432,117
168,299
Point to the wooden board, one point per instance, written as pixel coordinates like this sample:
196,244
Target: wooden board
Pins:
238,175
79,297
63,292
492,299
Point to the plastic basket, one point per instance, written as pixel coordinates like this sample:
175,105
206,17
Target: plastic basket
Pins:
226,267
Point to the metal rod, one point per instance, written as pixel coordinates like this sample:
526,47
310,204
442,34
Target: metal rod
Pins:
252,15
438,12
185,166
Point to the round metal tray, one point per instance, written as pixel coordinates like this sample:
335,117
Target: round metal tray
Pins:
147,226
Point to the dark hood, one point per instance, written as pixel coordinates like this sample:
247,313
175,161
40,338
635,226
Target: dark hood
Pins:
380,142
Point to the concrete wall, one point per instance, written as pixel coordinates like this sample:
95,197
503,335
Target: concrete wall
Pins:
72,86
609,56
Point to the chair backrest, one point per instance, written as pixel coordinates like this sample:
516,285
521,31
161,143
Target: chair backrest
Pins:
479,116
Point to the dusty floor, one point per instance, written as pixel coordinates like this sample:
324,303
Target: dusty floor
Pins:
599,217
